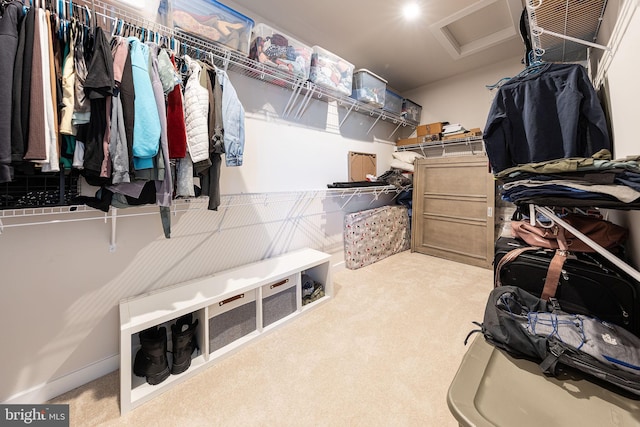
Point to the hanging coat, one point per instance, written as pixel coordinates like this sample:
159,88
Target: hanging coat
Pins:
146,127
9,30
21,88
98,86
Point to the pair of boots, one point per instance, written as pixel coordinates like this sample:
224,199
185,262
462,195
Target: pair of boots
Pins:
151,360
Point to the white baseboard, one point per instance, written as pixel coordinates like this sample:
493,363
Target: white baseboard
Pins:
47,391
337,262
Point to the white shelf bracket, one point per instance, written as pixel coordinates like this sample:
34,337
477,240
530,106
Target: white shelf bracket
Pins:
540,31
376,195
306,100
303,103
395,130
297,87
346,116
114,215
380,116
355,192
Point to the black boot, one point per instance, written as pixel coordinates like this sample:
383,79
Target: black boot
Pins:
183,336
151,359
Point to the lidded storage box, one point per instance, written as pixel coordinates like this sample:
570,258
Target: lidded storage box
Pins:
392,102
330,71
411,111
211,20
280,51
368,87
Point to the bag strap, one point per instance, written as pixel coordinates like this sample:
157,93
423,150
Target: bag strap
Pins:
553,275
553,272
507,258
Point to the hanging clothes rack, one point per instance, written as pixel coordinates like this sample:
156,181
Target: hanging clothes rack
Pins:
117,20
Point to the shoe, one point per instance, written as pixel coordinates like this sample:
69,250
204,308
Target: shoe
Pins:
183,336
151,359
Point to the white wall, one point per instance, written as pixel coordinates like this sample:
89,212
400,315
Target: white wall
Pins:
623,91
285,155
464,98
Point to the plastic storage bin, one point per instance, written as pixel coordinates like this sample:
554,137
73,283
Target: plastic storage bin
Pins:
411,111
273,48
494,389
369,88
330,71
213,21
392,102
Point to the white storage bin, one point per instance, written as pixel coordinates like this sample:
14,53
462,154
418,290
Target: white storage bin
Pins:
273,48
369,88
330,71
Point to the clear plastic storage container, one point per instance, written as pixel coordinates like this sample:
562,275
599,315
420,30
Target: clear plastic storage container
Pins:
411,111
211,20
392,102
280,51
368,87
330,71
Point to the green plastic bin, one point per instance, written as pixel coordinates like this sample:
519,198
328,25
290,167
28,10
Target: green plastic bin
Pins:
494,389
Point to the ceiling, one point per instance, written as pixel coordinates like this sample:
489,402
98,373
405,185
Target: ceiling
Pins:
450,37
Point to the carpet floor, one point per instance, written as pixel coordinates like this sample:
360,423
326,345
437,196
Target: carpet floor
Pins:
382,352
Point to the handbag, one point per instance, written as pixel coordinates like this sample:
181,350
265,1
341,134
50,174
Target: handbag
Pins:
553,236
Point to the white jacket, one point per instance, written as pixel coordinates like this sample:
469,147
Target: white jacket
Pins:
196,113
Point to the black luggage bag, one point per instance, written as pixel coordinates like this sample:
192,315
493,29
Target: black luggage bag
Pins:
589,284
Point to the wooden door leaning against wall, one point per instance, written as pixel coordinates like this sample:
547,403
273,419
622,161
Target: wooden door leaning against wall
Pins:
453,199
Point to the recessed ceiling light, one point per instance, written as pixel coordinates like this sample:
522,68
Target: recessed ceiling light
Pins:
411,11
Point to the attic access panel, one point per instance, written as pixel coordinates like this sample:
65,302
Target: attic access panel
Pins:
480,26
578,19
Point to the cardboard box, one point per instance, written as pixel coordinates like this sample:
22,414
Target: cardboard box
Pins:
475,132
430,138
407,141
429,129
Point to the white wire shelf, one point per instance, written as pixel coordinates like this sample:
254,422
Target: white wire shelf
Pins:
302,91
61,214
470,142
563,30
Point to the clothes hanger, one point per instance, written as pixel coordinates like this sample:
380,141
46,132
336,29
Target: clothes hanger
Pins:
535,66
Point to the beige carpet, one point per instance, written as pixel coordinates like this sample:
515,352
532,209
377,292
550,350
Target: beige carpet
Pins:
382,352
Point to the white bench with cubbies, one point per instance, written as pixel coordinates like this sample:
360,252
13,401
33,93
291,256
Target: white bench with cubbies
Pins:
233,307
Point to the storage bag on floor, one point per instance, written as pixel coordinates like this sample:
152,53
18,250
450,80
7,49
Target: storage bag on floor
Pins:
375,234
